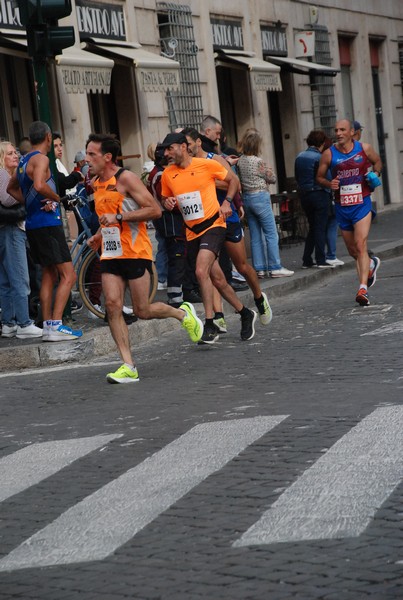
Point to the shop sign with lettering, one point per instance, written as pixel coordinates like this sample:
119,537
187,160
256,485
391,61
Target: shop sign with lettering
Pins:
274,40
266,82
80,80
10,15
226,34
100,20
158,80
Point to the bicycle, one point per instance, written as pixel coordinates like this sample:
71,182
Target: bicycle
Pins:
87,264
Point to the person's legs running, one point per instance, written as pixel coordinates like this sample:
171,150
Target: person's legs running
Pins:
356,244
237,253
204,262
361,232
113,287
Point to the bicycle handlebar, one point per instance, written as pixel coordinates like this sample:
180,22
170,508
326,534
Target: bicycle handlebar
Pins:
72,200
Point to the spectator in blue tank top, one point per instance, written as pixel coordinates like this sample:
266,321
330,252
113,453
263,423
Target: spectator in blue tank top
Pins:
33,184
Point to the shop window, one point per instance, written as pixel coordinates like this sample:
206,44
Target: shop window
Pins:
345,67
17,99
401,63
322,86
103,113
177,41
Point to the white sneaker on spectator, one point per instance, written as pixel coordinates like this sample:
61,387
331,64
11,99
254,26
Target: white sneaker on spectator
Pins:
8,331
334,261
30,331
97,307
162,285
237,276
127,310
283,272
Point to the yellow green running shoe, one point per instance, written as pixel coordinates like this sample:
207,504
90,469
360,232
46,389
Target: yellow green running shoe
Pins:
123,375
191,322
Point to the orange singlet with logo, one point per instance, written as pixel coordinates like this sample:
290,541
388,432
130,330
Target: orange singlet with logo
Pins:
127,240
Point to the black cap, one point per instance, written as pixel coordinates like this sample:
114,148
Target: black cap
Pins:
173,138
357,126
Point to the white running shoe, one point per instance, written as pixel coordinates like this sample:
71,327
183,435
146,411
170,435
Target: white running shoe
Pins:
8,331
335,261
283,272
30,331
62,334
264,309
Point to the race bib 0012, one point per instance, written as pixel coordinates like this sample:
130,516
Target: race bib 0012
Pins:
351,194
111,244
191,206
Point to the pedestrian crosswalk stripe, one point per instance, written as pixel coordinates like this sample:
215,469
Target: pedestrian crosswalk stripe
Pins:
102,522
338,496
36,462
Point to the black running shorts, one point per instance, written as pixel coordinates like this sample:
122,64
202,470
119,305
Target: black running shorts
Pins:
127,268
48,246
212,240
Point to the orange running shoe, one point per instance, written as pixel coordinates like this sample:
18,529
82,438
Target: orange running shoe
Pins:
362,297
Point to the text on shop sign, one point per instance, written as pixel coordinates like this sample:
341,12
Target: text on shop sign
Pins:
100,20
227,34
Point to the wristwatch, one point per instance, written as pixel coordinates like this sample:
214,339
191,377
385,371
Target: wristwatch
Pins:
119,218
228,199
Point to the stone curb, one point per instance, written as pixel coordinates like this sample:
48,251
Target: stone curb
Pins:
99,342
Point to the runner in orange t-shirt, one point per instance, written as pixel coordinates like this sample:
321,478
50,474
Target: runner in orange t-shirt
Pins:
123,205
189,183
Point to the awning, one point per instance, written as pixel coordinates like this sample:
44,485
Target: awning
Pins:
83,72
13,42
303,67
264,75
154,73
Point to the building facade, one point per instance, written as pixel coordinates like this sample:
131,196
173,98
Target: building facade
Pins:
141,68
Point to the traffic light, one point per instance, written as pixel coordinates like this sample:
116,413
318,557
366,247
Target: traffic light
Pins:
45,38
36,12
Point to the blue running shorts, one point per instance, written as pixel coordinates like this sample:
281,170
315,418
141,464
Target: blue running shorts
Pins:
348,216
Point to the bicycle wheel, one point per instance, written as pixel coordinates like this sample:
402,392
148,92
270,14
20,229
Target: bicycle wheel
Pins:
90,286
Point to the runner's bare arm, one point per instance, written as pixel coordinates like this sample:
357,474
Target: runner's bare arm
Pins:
94,242
373,157
168,202
323,168
130,184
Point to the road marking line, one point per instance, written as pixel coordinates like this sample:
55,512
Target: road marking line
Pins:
338,496
107,519
36,462
387,329
56,368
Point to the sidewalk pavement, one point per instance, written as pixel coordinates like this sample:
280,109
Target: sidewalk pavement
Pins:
386,240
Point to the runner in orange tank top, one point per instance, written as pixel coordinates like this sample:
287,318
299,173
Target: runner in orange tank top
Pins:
123,205
134,240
